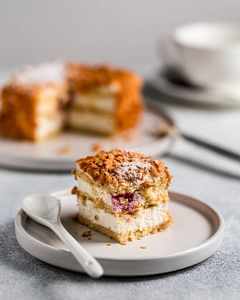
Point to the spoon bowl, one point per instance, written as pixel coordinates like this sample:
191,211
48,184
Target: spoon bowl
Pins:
45,209
42,207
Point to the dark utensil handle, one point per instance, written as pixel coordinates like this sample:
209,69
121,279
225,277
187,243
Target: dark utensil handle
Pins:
212,147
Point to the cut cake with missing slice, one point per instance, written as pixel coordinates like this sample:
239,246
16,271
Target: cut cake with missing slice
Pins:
122,194
38,101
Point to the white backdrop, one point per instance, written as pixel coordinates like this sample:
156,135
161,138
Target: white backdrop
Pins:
116,31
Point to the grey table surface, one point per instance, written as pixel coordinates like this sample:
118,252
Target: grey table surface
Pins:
196,173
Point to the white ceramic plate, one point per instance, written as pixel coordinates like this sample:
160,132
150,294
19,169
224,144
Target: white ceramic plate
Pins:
196,233
61,151
193,95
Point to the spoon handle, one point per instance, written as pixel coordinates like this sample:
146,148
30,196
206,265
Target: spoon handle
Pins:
88,263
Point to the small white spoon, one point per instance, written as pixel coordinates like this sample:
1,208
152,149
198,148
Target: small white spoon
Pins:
45,209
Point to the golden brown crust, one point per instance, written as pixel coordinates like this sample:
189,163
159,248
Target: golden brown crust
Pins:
120,167
17,113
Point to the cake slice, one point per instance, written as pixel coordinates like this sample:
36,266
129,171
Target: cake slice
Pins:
33,102
105,100
122,194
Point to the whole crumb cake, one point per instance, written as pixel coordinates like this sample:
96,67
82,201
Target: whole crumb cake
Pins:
122,194
40,100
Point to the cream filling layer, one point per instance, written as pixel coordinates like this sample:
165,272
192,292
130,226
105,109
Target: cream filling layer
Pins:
46,126
95,101
91,121
152,216
95,192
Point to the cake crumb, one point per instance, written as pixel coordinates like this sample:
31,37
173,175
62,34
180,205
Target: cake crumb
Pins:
139,238
96,147
143,247
89,238
64,150
74,190
75,218
109,244
165,129
154,231
86,233
122,243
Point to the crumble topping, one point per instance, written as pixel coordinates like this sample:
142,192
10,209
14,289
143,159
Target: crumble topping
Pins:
132,171
84,77
121,167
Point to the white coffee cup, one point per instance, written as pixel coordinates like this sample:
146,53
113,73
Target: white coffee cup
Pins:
208,54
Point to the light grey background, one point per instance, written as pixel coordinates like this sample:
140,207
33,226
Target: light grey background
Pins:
114,31
122,32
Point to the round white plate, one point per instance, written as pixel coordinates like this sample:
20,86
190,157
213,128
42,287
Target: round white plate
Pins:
196,233
61,151
193,95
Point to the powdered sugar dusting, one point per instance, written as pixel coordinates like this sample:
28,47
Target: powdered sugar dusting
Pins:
134,171
47,73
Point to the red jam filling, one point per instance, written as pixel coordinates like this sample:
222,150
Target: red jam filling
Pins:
126,202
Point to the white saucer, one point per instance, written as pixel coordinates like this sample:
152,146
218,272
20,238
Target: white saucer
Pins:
193,95
196,233
51,155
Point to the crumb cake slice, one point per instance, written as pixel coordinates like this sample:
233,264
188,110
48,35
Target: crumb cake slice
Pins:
122,194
